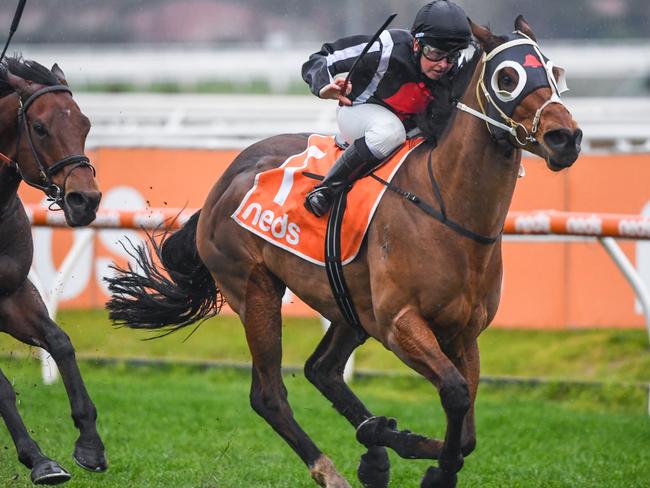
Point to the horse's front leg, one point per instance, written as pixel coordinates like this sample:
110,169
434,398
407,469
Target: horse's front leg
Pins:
468,364
44,469
413,341
324,369
26,319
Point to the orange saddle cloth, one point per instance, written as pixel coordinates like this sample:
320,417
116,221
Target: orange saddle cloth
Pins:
273,209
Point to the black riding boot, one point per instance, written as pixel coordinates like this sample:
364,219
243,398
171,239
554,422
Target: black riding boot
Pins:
355,161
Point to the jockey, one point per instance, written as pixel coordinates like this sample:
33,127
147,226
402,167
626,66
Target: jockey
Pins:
397,80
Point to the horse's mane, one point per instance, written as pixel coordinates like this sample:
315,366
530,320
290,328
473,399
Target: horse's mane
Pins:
435,120
26,69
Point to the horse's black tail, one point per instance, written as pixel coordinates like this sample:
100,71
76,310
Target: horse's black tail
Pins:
176,293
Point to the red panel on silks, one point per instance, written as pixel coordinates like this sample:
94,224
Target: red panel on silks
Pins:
546,285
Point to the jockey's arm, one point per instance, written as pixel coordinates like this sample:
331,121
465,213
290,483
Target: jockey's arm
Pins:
335,58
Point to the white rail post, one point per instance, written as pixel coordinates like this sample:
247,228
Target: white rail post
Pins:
633,278
630,274
49,371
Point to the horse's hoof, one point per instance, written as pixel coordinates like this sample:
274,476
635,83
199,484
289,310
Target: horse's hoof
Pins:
48,472
89,458
437,478
324,474
374,468
370,430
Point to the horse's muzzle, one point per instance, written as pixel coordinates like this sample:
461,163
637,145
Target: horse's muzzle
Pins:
80,208
563,147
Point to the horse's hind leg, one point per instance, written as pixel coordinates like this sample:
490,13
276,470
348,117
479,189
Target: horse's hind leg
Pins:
260,312
44,469
324,369
25,317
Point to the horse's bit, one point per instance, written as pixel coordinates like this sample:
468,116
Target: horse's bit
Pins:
529,80
54,192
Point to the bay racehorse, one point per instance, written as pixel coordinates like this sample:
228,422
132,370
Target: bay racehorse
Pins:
42,138
424,287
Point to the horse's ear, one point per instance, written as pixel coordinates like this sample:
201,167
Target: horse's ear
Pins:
58,72
523,26
484,36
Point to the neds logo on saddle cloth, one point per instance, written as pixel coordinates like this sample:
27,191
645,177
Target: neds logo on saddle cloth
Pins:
273,209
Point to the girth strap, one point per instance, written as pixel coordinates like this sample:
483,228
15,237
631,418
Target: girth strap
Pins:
334,267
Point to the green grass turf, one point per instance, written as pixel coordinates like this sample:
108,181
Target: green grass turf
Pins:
186,427
608,355
177,426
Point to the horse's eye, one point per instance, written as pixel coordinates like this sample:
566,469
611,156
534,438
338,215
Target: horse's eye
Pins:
506,82
40,129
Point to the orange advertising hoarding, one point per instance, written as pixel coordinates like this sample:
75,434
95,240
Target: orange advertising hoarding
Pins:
546,285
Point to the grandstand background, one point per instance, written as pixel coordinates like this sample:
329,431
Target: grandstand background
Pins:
259,45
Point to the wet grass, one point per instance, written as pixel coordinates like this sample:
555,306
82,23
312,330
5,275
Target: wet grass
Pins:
176,426
191,426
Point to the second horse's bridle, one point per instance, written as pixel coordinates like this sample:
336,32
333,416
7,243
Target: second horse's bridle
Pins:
54,192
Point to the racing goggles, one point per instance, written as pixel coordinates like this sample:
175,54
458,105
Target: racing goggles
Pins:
434,54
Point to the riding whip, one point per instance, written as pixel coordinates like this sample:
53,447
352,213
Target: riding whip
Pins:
365,50
14,25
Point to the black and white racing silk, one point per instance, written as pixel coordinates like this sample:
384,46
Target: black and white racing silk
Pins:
388,75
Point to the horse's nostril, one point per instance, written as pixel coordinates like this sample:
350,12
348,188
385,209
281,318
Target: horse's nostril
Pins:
558,139
75,199
577,138
83,201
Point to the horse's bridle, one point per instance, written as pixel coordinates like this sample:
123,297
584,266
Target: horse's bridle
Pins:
54,192
512,126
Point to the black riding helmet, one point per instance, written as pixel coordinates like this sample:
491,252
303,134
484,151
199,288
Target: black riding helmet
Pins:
442,24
